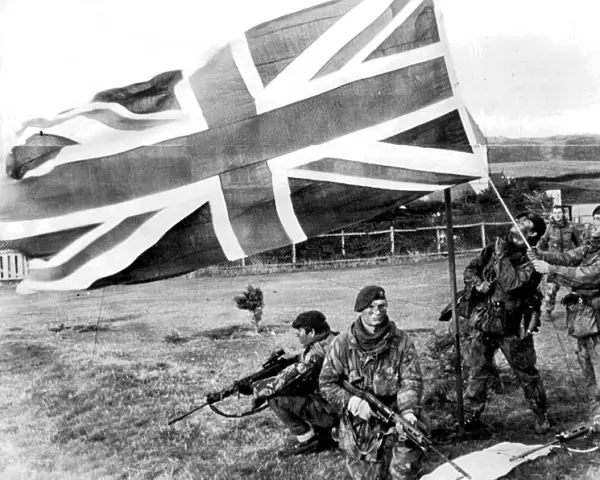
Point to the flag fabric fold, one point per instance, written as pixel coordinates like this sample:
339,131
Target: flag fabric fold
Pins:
299,126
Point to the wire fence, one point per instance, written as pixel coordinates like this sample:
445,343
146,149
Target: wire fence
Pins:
381,246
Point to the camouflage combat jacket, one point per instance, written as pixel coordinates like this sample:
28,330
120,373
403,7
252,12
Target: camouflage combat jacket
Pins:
301,378
513,297
578,269
394,375
559,237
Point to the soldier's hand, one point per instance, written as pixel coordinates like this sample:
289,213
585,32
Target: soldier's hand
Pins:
245,388
359,408
483,287
257,402
410,418
596,424
532,253
540,266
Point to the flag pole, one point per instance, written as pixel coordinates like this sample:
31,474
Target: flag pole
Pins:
460,415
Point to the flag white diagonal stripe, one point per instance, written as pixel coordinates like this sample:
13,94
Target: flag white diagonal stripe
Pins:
454,82
221,223
404,156
398,20
284,206
311,60
189,104
119,257
200,192
370,134
246,66
353,73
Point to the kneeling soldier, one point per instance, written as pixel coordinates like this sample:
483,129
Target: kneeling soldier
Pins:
378,357
294,396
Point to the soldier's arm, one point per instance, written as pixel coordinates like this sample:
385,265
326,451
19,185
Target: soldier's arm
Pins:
291,375
585,277
472,273
411,380
337,397
572,258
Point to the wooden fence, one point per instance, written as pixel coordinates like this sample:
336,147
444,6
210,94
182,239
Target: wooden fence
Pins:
13,266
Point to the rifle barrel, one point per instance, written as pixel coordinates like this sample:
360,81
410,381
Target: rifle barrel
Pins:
186,414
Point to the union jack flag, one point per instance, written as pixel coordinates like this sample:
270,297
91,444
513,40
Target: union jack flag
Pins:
301,125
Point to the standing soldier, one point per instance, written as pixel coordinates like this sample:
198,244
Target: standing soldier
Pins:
560,236
505,317
378,357
580,269
293,395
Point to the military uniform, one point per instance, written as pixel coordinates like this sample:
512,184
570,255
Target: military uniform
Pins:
293,395
390,370
502,319
558,238
579,269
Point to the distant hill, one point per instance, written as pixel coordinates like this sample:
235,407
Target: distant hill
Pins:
557,147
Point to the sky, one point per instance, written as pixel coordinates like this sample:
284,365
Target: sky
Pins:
526,67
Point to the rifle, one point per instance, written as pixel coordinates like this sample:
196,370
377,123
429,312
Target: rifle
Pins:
561,437
387,415
274,364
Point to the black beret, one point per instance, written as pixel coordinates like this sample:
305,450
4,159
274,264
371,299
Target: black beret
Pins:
313,319
367,295
596,211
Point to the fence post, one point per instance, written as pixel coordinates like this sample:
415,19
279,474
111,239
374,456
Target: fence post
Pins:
243,262
393,244
483,241
294,254
438,239
343,245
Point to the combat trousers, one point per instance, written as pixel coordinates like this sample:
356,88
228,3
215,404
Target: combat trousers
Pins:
520,355
588,355
299,413
399,460
549,289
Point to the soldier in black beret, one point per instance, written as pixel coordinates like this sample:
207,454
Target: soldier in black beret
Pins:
378,357
294,396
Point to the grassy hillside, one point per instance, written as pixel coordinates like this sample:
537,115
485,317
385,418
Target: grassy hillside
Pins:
581,148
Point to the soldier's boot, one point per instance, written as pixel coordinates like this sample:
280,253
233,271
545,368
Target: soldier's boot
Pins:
547,316
312,445
542,423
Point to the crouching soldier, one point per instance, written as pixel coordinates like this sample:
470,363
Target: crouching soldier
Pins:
293,395
378,357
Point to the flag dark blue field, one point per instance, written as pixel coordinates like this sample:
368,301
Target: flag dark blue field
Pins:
299,126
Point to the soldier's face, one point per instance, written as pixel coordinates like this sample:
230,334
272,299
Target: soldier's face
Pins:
596,226
525,226
304,336
558,214
375,313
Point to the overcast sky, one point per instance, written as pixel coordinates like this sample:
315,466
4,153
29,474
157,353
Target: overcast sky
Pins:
526,67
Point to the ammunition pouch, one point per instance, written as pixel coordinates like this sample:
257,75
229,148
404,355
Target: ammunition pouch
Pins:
583,314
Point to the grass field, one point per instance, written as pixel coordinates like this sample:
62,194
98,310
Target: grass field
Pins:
80,402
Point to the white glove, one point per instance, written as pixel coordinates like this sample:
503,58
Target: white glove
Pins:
359,408
410,418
